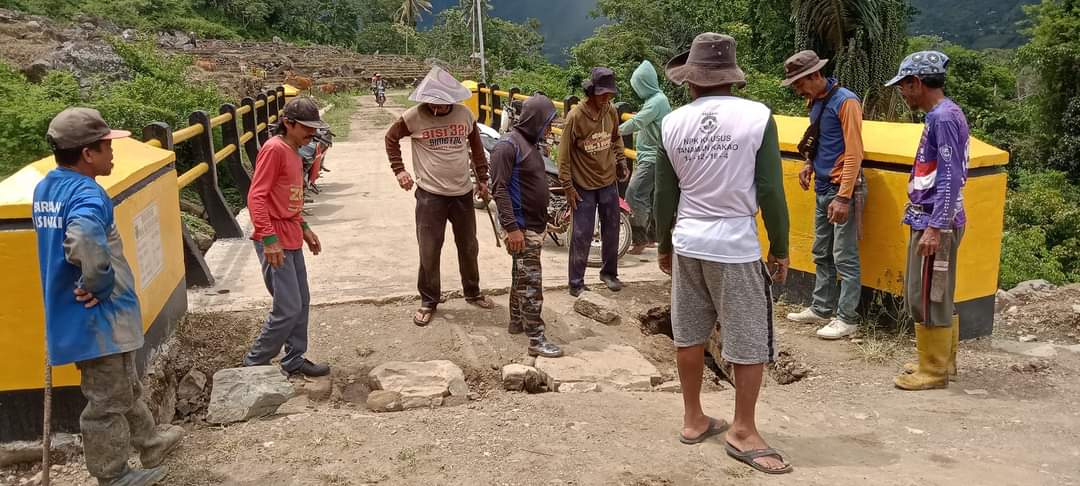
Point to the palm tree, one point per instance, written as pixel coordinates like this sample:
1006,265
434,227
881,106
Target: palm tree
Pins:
866,39
409,15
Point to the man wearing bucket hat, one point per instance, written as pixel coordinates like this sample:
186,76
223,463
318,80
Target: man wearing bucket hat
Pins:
276,202
591,162
718,165
445,145
832,148
935,213
92,314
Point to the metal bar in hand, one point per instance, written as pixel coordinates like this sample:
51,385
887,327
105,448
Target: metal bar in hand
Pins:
494,227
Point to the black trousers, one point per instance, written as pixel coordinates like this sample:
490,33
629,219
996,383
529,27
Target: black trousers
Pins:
432,213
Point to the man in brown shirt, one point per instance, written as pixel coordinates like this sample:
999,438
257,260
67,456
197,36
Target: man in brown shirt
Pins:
444,142
591,163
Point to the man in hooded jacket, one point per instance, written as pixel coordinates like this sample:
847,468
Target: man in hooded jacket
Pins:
646,124
519,183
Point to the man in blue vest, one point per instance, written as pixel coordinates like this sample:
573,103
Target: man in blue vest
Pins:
92,315
833,151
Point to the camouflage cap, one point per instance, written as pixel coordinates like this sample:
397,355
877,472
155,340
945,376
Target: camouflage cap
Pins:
919,64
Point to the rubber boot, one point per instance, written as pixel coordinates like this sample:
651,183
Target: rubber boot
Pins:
136,477
935,346
913,367
161,446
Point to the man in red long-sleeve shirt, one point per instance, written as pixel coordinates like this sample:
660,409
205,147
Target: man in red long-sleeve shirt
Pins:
275,202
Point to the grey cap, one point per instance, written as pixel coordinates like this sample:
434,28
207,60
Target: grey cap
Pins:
921,63
305,112
79,127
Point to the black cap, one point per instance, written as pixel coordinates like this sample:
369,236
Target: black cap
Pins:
305,112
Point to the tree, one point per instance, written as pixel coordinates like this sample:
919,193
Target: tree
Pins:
409,14
865,37
1054,55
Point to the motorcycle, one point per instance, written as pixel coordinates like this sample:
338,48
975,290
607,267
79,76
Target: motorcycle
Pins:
313,156
380,94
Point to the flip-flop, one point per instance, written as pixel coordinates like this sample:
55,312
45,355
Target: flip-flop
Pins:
482,302
716,427
748,457
426,314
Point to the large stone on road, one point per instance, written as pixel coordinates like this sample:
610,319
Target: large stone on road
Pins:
244,393
614,367
597,307
421,383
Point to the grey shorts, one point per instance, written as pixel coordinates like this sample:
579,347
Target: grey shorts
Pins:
735,296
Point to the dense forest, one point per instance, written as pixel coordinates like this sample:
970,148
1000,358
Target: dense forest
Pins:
1024,99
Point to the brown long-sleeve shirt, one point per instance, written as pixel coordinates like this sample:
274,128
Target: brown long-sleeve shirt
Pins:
591,147
442,149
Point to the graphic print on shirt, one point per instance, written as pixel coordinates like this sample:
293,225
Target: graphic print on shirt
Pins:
296,198
597,142
447,138
712,143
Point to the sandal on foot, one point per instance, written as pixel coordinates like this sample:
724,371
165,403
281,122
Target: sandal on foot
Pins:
482,302
716,427
748,457
423,316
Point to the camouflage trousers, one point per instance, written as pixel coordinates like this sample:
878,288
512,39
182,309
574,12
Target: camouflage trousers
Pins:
527,289
116,417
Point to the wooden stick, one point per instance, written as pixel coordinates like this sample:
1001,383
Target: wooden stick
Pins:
46,439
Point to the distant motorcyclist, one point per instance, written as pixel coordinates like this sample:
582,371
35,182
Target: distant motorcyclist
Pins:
378,88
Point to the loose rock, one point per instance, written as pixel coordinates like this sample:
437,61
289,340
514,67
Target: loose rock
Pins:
670,386
656,321
579,387
1027,338
384,401
598,308
1003,300
513,376
191,386
614,367
421,384
1032,288
243,393
62,446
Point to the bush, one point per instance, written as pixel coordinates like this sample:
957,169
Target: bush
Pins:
1042,224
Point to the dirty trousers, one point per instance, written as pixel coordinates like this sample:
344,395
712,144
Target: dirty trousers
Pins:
432,213
527,287
116,417
287,324
605,202
930,282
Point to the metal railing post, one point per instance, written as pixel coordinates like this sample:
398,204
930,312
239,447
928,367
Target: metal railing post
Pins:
482,100
261,117
496,106
280,99
217,210
230,136
196,272
248,123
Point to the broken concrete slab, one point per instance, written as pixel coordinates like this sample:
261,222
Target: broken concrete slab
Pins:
1032,349
421,383
613,367
62,447
673,386
243,393
579,387
598,308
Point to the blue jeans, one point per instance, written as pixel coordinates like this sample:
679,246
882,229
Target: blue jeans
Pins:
836,253
640,197
604,201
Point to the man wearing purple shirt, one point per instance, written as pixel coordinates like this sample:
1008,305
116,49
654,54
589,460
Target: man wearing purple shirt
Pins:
935,213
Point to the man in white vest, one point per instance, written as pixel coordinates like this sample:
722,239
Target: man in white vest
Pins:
719,163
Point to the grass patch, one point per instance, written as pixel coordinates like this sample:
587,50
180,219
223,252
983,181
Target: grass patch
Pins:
403,100
340,116
885,331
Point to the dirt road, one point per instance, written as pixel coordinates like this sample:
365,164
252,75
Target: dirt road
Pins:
843,424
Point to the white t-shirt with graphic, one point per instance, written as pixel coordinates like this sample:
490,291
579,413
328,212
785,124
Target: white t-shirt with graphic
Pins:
712,144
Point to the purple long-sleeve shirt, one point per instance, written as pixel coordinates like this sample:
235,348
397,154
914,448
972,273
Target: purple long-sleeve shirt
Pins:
940,170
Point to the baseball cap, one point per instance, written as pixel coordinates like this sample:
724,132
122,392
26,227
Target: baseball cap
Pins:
78,127
921,63
305,112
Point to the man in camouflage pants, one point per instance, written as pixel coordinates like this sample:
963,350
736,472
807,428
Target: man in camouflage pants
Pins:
519,182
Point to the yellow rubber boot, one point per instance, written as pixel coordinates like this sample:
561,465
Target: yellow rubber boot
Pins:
935,347
955,345
913,367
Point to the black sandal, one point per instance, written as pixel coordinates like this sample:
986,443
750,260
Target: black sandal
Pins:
748,457
716,427
423,316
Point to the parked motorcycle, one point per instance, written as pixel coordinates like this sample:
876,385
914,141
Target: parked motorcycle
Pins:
560,219
313,156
